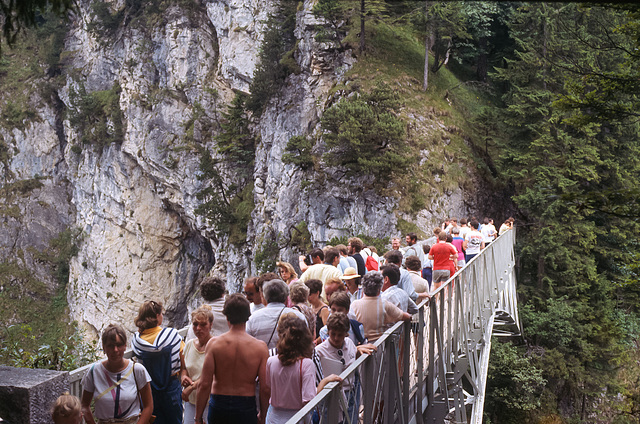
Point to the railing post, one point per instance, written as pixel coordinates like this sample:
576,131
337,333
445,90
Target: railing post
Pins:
406,372
420,363
389,391
368,387
333,405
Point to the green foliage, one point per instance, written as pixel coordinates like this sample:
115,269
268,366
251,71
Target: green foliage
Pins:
97,116
39,334
20,188
200,125
105,22
139,14
379,243
276,56
335,12
61,249
405,227
19,348
226,206
266,256
16,16
300,237
299,151
570,150
235,141
514,384
365,136
14,115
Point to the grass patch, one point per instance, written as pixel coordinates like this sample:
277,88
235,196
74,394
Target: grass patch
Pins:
445,132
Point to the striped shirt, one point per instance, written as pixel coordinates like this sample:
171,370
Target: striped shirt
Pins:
155,339
400,298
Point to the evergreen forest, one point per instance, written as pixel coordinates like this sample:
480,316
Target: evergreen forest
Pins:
548,97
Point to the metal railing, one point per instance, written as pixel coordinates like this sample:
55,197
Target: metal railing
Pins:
75,376
436,369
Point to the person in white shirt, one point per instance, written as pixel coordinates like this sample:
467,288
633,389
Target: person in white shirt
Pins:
473,242
263,324
489,232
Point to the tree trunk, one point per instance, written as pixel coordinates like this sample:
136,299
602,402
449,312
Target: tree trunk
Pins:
427,43
447,54
362,10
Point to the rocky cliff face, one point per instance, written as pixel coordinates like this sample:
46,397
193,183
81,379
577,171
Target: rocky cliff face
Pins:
134,197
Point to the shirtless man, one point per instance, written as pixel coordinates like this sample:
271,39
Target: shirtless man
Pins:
235,359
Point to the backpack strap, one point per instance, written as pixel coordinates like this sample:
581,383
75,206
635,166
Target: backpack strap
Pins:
355,326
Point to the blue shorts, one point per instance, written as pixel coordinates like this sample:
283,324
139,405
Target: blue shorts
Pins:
232,409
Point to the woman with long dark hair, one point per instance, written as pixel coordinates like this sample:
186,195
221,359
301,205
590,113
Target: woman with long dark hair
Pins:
291,374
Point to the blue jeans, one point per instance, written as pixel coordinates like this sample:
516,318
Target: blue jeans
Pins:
232,409
167,404
426,274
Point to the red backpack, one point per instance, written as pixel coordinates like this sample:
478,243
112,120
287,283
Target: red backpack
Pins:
371,264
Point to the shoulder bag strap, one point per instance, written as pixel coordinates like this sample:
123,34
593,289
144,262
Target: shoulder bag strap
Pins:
116,384
137,389
301,359
275,326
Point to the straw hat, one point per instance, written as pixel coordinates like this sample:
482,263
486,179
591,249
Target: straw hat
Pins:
350,273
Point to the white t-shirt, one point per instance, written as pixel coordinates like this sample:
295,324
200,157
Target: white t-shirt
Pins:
474,242
346,354
488,233
98,379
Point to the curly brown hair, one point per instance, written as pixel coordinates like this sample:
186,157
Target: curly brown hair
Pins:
295,340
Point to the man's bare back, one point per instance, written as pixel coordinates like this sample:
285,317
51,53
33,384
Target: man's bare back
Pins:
238,360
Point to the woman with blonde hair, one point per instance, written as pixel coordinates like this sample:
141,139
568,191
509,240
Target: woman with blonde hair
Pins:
287,273
119,388
192,359
159,349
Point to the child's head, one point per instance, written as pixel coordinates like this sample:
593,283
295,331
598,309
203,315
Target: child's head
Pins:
338,327
67,410
340,302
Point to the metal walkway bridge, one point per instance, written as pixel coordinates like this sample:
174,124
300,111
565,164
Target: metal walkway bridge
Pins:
436,371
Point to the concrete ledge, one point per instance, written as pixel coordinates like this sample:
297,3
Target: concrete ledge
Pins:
26,395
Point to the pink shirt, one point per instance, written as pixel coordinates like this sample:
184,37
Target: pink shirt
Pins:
289,388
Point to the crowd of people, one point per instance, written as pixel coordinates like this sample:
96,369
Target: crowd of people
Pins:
261,355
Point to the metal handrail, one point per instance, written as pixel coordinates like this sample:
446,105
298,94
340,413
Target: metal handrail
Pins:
445,362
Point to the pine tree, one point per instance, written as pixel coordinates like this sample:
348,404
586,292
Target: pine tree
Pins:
555,155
